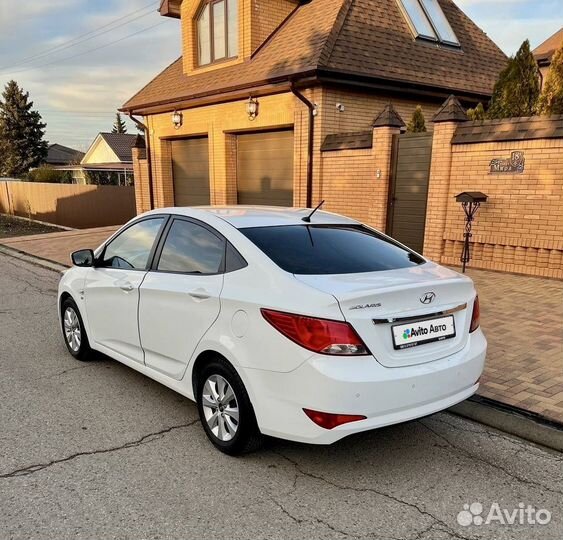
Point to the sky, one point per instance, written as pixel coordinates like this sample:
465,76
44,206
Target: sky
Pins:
82,59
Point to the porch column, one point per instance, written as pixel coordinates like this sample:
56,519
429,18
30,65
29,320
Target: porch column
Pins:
385,126
446,121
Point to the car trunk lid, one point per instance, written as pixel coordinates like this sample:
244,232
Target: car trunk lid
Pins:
375,302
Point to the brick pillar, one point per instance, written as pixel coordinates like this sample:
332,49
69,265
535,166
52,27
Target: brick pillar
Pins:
386,125
141,175
445,121
163,183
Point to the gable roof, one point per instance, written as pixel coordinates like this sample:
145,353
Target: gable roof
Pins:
544,52
121,144
345,39
115,148
57,154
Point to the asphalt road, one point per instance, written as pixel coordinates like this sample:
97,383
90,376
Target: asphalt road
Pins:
98,451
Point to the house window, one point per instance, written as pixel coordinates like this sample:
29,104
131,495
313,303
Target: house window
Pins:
217,31
427,21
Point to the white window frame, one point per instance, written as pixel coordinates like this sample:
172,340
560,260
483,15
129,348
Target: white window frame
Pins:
437,38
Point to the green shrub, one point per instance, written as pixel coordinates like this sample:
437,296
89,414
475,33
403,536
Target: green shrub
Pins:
417,123
49,175
477,114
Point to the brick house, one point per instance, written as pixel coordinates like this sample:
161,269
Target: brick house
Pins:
289,102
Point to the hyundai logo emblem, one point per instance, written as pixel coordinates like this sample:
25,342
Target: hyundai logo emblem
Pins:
428,298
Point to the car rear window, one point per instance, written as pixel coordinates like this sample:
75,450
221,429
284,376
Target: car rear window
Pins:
330,249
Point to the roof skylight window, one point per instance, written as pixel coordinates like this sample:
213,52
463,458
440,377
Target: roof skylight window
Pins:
427,21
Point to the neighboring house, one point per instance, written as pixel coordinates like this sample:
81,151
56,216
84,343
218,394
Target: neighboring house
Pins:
544,53
108,161
58,154
274,100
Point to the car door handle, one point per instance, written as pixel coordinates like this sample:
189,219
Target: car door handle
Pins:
199,294
127,287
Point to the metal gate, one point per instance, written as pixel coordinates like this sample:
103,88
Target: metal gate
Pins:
408,189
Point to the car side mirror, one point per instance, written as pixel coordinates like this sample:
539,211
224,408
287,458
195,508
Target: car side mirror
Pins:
83,258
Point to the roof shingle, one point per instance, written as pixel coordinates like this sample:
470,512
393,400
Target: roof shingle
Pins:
546,50
347,141
363,38
512,129
121,144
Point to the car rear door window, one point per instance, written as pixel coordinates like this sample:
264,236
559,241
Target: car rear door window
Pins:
191,249
330,249
131,249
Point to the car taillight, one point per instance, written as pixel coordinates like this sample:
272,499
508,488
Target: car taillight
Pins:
475,316
318,335
330,420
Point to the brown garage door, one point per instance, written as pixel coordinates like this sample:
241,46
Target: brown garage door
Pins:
409,189
265,168
190,164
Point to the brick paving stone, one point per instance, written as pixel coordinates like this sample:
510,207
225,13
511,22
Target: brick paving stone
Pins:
522,318
57,247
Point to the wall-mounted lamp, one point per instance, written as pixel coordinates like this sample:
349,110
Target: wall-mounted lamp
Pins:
177,119
315,109
252,108
340,107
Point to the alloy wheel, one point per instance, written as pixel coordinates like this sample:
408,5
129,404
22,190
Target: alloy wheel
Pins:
220,408
72,330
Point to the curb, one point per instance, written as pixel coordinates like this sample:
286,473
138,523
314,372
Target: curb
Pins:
513,420
33,259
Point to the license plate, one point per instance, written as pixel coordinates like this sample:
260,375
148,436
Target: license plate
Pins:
413,334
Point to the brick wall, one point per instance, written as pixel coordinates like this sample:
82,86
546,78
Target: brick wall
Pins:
520,228
360,108
266,16
347,179
141,173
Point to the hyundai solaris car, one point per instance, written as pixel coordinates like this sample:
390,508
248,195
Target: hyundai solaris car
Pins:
277,322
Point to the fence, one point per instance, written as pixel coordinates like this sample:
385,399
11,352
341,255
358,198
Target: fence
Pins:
518,163
70,205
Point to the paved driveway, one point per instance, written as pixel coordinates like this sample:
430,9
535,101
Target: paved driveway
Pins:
57,247
97,451
523,320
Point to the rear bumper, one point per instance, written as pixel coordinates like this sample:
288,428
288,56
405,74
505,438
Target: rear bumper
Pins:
361,386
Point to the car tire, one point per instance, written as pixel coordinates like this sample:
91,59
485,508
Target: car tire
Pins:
225,410
74,333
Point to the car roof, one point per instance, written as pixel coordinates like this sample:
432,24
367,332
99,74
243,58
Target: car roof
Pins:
243,217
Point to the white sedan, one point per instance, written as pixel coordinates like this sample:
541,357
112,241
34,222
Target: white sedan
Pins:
308,328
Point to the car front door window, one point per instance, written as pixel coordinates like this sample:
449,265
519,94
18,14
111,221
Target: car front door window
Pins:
132,248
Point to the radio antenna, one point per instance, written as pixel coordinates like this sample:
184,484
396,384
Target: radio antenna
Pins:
307,219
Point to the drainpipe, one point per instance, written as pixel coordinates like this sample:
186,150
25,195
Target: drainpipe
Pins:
310,143
149,161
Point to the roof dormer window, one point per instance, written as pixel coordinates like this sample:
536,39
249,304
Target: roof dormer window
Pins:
427,21
217,31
